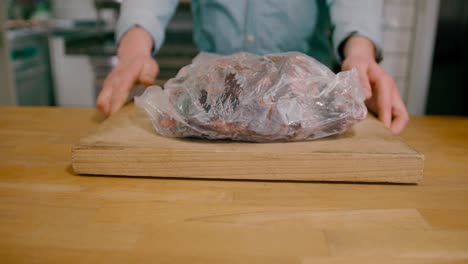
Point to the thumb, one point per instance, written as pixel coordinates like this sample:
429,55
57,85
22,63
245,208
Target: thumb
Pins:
363,77
362,69
149,71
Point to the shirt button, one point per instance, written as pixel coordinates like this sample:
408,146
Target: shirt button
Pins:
250,38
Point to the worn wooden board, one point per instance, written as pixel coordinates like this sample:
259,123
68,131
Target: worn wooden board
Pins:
126,144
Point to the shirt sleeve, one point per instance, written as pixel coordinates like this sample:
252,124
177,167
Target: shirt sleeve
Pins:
151,15
356,17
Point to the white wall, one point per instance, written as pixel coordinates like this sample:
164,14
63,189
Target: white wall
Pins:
398,31
409,28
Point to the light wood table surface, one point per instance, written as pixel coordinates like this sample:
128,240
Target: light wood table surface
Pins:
50,215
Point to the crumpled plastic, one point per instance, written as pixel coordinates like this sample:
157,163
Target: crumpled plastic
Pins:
277,97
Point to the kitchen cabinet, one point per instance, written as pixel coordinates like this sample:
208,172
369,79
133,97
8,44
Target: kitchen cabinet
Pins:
29,56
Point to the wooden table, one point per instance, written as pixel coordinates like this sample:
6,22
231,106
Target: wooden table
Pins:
50,215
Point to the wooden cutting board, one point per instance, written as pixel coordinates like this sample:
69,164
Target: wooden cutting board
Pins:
126,144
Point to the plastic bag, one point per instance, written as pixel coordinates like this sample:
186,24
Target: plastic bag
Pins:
277,97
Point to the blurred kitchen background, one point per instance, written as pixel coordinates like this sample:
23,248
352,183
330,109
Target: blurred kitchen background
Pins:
57,52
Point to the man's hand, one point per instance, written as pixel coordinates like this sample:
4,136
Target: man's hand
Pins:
135,66
382,96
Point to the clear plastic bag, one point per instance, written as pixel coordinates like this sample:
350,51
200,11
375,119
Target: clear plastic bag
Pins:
277,97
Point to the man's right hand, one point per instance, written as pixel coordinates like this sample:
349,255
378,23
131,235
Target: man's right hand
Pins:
135,65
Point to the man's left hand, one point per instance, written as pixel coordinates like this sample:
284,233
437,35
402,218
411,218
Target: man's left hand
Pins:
382,95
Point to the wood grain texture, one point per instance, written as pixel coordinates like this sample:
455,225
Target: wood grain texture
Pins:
48,214
126,144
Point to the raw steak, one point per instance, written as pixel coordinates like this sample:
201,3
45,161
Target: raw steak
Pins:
277,97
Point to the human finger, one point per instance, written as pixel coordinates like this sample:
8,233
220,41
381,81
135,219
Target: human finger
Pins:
400,115
382,91
121,91
104,97
362,70
149,72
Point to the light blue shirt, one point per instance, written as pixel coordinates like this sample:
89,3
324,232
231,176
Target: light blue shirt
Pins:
313,27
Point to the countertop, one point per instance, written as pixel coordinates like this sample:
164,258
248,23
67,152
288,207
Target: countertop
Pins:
50,215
